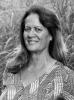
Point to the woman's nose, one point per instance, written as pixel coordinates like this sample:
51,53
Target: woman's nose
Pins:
31,33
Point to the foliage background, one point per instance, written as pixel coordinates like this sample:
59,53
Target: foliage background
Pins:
11,12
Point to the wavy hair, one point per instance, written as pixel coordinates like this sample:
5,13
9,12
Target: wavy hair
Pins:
57,48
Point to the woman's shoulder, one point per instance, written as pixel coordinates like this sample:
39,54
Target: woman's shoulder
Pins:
60,70
11,80
8,78
61,80
13,85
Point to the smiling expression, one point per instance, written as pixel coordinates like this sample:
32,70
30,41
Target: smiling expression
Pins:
36,36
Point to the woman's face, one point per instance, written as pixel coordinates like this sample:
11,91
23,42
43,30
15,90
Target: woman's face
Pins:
36,36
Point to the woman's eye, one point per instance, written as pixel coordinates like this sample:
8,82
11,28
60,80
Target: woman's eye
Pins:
27,29
38,29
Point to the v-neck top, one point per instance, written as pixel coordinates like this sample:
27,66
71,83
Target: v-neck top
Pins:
58,83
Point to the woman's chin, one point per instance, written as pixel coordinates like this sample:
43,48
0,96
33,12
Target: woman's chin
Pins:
33,47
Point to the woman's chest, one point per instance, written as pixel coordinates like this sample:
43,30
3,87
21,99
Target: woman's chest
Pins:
47,87
42,88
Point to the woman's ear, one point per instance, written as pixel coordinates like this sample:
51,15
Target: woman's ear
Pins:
50,38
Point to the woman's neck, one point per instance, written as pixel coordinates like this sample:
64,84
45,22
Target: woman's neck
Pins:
40,60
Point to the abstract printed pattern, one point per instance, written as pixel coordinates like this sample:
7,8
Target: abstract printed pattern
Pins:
58,83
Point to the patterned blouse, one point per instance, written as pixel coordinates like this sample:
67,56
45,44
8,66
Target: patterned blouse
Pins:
57,84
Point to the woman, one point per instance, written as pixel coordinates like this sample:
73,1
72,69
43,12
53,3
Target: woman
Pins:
38,72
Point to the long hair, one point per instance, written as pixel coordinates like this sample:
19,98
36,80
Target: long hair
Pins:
48,19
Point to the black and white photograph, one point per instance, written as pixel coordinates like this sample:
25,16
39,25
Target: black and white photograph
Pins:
36,49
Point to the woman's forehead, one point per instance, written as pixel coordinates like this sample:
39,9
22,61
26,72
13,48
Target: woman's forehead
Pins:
33,19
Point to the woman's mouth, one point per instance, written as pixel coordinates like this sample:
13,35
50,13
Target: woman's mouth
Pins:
32,41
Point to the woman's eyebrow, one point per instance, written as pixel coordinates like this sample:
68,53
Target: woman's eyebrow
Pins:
38,26
35,26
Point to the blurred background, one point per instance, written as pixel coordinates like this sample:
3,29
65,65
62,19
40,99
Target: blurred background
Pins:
11,12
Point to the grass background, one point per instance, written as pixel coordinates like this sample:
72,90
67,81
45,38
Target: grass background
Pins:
11,12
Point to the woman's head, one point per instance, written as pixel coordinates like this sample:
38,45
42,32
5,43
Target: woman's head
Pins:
49,25
36,36
48,20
